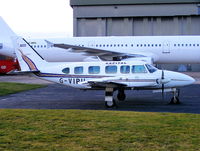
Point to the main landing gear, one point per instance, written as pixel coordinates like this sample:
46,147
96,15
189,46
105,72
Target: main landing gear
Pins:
175,98
121,95
109,100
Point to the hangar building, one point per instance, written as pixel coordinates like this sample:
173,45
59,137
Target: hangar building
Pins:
135,17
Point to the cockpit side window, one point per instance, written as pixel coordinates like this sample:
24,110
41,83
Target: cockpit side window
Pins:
151,68
138,69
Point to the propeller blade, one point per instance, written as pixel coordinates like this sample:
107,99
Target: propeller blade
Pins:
162,76
163,86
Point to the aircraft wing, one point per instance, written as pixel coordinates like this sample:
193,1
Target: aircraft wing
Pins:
101,53
103,82
23,72
117,82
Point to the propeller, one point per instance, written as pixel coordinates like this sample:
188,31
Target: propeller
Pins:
163,85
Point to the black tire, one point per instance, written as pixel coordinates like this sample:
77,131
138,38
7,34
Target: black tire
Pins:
175,100
110,104
121,96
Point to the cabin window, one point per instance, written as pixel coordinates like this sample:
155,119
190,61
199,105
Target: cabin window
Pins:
94,69
138,69
125,69
66,70
111,69
78,70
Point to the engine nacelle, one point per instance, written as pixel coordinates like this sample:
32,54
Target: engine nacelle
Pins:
148,60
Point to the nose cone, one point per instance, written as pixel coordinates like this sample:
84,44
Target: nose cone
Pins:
186,80
179,79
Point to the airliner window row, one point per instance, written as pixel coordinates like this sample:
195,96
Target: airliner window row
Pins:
146,45
186,45
112,69
126,45
39,46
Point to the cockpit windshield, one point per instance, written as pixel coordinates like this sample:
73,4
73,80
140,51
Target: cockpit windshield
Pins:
151,68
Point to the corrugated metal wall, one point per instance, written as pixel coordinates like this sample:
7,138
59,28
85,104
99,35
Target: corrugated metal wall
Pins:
138,20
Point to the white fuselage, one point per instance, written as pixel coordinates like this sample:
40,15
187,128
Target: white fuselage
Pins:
162,49
130,74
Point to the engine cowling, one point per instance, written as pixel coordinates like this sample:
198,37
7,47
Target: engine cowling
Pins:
148,60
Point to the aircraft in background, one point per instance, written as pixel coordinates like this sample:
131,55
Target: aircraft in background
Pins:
151,49
104,75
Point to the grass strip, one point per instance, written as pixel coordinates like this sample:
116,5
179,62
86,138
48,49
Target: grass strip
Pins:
86,130
10,88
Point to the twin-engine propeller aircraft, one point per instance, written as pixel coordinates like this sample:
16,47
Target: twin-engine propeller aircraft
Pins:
151,49
108,75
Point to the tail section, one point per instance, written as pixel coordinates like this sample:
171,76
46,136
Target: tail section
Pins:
6,31
6,47
28,57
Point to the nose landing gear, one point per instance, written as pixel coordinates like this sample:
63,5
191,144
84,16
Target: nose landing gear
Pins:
175,98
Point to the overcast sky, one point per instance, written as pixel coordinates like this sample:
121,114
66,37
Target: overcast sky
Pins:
38,16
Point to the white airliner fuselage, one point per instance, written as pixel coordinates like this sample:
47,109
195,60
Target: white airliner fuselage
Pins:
151,49
162,49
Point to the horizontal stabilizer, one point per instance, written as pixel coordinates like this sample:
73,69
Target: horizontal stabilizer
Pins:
23,72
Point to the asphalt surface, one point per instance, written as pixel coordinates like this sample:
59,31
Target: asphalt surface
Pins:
56,96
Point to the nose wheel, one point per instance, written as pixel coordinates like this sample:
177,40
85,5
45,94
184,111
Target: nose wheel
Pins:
175,98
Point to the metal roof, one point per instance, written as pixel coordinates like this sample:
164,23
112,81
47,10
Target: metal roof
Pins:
127,2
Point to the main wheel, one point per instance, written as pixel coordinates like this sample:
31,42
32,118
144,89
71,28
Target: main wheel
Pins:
175,100
121,96
110,104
